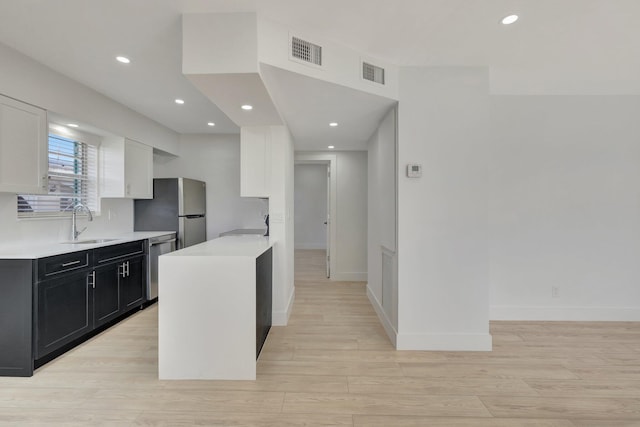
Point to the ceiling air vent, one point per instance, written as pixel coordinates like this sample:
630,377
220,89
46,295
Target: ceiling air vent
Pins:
372,73
306,51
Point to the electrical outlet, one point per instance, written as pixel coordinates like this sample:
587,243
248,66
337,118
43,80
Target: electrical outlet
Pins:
555,291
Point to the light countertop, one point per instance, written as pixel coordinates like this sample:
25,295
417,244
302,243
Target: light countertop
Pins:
247,245
23,249
258,231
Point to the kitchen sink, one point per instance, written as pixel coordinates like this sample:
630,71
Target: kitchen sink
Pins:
89,241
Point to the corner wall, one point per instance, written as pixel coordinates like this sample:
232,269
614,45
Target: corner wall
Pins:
443,257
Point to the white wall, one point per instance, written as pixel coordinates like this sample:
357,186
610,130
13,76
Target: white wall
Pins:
351,221
310,183
29,81
340,64
565,207
215,159
219,43
116,217
382,224
281,222
443,274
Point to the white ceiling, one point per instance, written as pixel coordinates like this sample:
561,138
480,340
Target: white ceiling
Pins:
309,105
557,46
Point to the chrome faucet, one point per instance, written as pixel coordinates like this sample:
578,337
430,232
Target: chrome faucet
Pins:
77,208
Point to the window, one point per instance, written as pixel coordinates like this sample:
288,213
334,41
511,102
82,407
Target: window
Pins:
72,180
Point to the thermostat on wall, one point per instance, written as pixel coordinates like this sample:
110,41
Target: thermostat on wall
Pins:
414,170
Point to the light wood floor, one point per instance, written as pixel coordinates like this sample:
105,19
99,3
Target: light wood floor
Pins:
333,366
311,267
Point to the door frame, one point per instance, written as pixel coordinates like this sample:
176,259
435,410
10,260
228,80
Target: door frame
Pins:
329,159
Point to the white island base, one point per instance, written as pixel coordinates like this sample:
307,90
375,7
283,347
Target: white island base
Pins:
207,309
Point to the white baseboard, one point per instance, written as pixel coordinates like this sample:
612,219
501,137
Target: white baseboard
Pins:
348,277
445,342
386,323
435,342
580,314
310,246
281,318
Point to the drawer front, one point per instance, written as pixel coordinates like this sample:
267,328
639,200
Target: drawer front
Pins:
57,264
114,253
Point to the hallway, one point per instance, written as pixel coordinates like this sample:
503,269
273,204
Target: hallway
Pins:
310,266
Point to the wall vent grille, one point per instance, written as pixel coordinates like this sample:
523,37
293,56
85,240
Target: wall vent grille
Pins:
306,51
372,73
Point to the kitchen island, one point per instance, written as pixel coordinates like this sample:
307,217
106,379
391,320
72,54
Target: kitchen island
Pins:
215,308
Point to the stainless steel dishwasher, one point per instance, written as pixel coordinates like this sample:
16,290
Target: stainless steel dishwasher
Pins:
157,246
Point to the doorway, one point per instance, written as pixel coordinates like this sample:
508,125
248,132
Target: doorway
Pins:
314,208
312,220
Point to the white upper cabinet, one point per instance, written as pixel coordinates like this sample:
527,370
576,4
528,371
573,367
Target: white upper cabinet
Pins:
255,161
23,148
138,170
126,169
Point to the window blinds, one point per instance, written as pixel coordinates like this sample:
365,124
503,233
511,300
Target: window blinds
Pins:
73,170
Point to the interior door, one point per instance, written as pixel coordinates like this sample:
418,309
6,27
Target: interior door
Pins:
328,221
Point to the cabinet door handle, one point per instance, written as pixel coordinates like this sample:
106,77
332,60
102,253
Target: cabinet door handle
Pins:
128,269
122,273
67,264
92,277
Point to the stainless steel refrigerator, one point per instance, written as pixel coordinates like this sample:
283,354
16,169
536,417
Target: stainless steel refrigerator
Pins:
178,204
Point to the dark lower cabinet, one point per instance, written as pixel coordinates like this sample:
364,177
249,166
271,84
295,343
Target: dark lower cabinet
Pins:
50,304
119,288
106,294
16,301
133,285
263,299
64,311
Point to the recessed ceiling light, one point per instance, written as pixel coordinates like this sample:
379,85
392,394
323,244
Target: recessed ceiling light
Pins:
123,59
508,20
61,129
211,124
72,125
179,101
333,124
331,147
247,107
